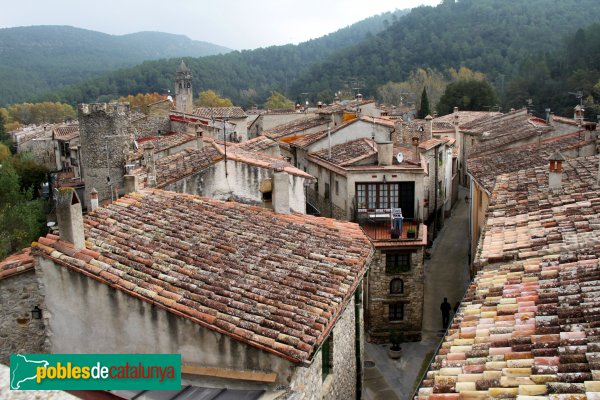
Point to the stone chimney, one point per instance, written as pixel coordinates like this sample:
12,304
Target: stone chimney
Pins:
69,217
556,170
94,199
428,127
415,143
131,183
578,115
551,119
281,190
150,163
385,153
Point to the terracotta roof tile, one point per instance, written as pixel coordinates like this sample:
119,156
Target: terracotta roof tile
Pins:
17,263
219,112
66,132
277,282
259,143
484,168
295,128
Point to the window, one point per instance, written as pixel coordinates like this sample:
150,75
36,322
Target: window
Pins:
327,356
397,262
180,85
396,286
326,195
189,85
337,188
387,195
396,312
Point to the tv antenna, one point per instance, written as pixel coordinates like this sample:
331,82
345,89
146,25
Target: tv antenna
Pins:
579,95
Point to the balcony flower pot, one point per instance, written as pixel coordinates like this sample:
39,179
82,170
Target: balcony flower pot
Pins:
411,233
395,233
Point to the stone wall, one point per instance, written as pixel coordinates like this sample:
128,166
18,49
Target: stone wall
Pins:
341,383
325,206
156,121
103,124
19,333
42,151
378,324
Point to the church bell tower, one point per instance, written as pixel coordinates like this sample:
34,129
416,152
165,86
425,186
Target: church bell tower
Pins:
184,96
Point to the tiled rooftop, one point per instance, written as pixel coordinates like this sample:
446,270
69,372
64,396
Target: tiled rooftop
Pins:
66,132
485,168
220,112
190,161
16,263
362,153
294,128
431,143
504,130
527,219
259,143
277,282
465,118
164,142
384,121
526,328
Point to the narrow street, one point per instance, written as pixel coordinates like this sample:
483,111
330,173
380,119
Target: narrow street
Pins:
446,275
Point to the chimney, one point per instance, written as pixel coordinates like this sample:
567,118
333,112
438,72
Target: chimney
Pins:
281,190
428,127
539,140
415,143
69,217
578,114
94,198
199,140
150,163
551,119
131,183
555,175
385,153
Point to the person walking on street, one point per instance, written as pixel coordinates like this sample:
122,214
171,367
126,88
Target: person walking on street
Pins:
445,307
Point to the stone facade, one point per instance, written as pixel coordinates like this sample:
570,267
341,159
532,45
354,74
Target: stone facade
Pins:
19,333
341,382
103,125
184,95
378,296
326,207
155,122
41,150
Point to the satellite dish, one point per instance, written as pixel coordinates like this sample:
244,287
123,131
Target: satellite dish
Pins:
399,158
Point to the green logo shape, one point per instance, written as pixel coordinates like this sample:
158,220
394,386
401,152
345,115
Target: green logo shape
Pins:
95,371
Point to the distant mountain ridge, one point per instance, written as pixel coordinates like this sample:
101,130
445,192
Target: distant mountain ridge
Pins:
37,59
246,77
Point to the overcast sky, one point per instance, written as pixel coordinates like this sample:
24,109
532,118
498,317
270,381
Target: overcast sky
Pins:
237,24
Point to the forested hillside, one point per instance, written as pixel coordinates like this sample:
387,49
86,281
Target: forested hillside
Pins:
247,77
491,36
36,59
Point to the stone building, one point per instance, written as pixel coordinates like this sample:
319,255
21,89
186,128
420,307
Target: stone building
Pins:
250,298
184,95
105,143
19,297
229,173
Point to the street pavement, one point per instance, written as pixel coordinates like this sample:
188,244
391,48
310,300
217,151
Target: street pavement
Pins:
446,275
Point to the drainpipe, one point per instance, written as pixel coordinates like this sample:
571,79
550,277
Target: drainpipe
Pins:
435,207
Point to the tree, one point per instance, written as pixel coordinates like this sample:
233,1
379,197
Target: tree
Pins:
424,110
277,101
468,95
403,93
140,101
4,137
208,98
22,219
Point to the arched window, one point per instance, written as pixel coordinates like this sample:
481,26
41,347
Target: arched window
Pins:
189,85
180,85
397,286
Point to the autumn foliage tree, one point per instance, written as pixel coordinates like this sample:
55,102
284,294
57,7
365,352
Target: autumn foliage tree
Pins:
140,101
209,98
16,115
277,101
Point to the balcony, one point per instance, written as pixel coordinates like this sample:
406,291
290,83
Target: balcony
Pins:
377,224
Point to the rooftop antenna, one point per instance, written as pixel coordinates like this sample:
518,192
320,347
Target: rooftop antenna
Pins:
579,95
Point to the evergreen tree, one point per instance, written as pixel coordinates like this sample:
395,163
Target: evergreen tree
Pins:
3,135
424,110
468,95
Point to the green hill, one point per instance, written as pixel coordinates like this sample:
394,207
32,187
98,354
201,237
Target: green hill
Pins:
37,59
491,36
247,77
